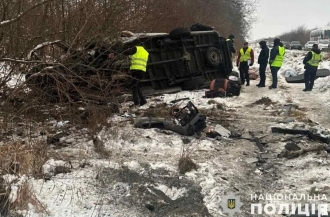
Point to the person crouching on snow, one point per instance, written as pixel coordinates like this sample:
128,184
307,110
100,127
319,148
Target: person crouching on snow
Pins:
244,60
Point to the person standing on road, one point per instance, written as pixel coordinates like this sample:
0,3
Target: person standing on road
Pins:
230,41
138,67
231,46
262,61
311,62
276,60
244,60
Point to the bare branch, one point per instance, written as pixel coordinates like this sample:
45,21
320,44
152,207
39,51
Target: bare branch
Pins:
7,22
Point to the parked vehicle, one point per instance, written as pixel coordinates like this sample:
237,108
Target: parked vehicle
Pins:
286,44
185,58
309,45
295,45
324,45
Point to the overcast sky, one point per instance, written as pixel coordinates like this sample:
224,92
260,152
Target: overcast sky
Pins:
278,16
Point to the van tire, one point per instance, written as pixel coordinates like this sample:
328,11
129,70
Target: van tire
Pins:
213,56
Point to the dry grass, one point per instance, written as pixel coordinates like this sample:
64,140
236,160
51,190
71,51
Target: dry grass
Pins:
25,197
100,148
17,158
95,118
186,164
283,87
158,111
264,101
300,115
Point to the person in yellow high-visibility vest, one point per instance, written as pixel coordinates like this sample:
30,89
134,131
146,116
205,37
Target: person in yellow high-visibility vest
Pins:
138,67
311,62
244,60
276,60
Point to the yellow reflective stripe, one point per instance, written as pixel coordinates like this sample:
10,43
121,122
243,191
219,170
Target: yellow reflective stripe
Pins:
140,59
138,64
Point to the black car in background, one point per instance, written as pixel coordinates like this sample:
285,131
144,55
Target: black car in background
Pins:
295,45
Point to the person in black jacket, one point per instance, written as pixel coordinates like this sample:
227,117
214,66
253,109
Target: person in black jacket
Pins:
231,46
311,62
263,61
230,42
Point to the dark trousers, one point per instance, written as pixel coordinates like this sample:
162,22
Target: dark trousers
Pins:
262,74
138,97
244,72
274,71
309,76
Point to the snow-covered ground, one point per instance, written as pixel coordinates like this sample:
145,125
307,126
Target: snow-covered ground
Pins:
141,178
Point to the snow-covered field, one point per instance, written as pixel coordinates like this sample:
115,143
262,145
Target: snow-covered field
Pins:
140,177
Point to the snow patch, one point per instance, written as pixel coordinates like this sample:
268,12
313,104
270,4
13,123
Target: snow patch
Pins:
173,192
49,167
322,84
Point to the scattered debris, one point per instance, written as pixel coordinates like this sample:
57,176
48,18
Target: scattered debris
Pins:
222,131
292,146
191,121
55,139
287,109
295,154
290,131
311,133
178,100
258,144
186,140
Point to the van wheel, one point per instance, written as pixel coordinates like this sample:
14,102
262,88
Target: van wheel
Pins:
180,32
213,56
193,84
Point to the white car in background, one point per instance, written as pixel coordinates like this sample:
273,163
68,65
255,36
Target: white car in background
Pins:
324,45
309,45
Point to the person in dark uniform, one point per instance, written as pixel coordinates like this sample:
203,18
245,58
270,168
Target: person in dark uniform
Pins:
231,46
263,61
311,62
